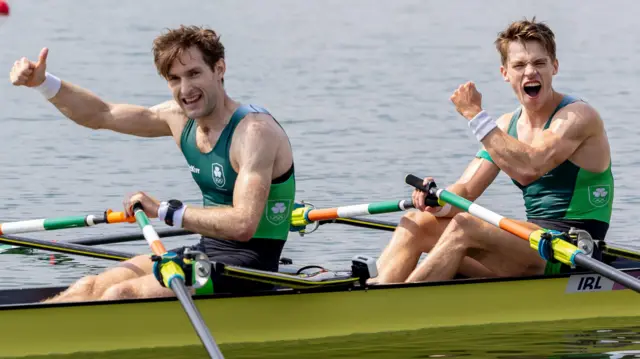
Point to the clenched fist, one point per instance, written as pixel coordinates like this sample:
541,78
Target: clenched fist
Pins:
468,100
28,73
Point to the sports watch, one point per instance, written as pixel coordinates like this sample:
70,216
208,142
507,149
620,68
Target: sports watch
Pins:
173,205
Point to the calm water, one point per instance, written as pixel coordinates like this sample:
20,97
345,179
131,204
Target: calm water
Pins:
362,88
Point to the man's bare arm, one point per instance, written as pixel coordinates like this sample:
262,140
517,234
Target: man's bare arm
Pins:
526,163
86,109
258,147
478,175
474,181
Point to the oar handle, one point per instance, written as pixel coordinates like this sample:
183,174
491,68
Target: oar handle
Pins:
118,217
148,231
431,199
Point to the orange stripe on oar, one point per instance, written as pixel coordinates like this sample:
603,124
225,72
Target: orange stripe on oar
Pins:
320,214
516,228
119,217
158,248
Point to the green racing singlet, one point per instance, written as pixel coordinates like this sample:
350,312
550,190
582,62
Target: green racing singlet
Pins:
215,176
567,196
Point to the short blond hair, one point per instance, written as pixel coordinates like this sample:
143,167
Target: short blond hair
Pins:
525,31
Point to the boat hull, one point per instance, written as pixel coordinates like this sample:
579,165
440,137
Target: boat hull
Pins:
32,329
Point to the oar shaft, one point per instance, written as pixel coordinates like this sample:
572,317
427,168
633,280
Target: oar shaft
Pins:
304,216
485,214
615,275
63,247
50,224
196,320
150,235
176,283
129,237
468,206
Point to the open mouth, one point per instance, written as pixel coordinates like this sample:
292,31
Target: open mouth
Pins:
532,88
192,99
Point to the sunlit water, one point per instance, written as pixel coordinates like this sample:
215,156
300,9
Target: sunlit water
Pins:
361,87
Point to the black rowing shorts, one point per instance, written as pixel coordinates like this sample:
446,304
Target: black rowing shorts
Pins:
263,254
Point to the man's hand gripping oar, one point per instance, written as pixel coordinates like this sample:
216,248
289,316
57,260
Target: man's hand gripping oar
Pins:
551,245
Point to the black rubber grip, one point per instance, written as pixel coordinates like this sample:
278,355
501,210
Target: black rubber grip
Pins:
416,182
430,199
136,206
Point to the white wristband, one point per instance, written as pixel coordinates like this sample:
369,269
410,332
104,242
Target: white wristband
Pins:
482,124
162,210
443,211
177,215
50,86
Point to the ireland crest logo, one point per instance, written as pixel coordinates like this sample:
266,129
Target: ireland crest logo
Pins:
599,195
277,211
217,173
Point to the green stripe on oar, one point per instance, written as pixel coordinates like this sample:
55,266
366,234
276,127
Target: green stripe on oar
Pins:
540,240
49,224
302,216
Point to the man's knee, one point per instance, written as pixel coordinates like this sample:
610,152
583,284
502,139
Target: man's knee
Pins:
419,223
119,291
463,229
85,285
464,220
87,282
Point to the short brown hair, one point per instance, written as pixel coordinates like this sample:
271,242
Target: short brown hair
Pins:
523,31
170,45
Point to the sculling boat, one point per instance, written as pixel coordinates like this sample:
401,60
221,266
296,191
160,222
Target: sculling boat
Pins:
310,302
322,304
295,314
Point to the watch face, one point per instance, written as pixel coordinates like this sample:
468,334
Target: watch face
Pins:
174,203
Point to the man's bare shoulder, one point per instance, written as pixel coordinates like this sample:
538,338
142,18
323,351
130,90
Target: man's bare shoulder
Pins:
260,125
578,115
168,110
504,120
172,114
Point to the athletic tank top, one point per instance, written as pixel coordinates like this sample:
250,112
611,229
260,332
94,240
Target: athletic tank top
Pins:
567,191
216,178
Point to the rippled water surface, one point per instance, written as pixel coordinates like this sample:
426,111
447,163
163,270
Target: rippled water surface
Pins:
362,88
